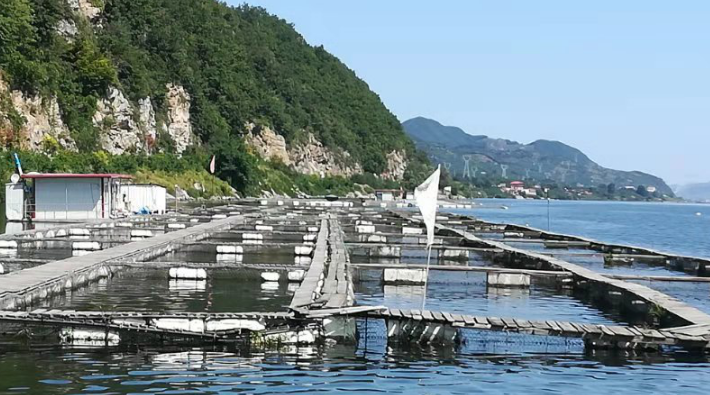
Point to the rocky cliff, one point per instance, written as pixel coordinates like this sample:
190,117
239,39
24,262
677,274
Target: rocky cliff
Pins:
32,121
154,76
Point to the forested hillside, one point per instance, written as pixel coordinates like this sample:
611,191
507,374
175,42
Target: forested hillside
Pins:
539,161
121,71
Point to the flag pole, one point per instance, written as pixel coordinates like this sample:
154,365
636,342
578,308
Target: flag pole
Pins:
426,276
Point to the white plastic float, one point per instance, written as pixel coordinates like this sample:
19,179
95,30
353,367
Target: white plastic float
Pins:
187,273
8,244
303,250
86,245
296,275
227,249
270,276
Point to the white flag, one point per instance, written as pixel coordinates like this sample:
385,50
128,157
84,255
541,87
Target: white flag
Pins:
426,196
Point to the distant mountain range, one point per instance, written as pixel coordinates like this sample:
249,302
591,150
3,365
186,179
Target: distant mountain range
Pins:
699,192
540,160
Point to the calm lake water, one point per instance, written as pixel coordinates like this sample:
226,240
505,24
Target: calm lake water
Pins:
667,227
503,365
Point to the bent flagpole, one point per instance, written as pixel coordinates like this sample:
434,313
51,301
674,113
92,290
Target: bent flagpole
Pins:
426,195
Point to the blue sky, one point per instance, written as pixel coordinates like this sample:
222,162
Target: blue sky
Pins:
627,82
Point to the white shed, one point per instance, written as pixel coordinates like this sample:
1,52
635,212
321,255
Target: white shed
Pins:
139,196
74,196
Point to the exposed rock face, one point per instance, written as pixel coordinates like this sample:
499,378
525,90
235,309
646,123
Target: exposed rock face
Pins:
396,165
267,143
179,127
313,158
146,119
41,118
85,8
67,29
114,117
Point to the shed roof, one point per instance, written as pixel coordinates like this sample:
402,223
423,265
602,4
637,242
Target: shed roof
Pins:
73,175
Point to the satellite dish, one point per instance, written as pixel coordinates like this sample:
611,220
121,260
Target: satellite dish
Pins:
15,178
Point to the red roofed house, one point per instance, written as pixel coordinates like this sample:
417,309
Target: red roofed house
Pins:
517,185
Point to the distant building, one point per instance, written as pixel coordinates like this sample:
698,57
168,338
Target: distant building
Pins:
387,195
517,185
651,189
530,192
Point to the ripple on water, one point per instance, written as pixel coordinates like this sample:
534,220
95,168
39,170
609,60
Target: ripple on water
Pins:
340,369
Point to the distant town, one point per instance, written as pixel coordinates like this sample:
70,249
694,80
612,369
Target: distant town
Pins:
521,190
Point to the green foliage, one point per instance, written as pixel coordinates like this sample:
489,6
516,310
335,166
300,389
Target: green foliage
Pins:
238,64
186,180
243,65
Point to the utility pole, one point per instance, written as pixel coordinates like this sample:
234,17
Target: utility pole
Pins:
547,192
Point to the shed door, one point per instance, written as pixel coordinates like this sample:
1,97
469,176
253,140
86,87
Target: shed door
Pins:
68,198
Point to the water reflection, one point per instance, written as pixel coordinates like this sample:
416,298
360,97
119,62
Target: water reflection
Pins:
344,368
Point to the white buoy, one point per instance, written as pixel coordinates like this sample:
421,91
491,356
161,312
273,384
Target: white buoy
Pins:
303,250
230,258
187,273
86,245
377,239
230,249
404,276
141,233
365,228
699,214
8,244
184,324
233,324
302,260
408,230
87,336
252,236
79,232
270,276
296,275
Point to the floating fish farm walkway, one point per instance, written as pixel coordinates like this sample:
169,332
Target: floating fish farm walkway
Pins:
324,250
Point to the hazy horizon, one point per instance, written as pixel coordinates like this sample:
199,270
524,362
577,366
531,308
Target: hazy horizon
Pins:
624,82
